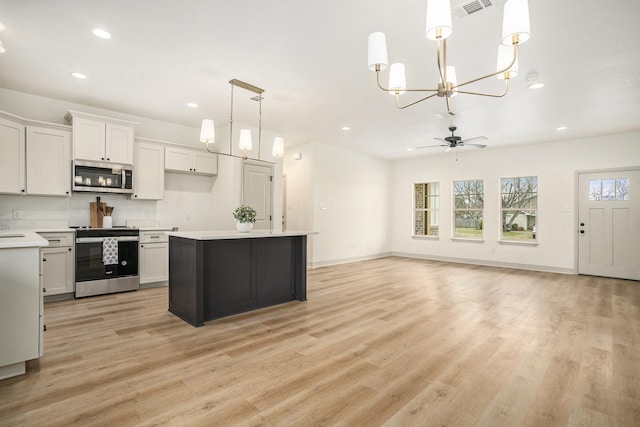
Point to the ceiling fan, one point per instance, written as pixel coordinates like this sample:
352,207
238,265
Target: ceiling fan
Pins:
454,141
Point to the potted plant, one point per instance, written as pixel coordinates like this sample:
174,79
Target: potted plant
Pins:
245,217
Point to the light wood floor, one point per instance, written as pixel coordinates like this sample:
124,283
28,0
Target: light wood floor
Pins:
394,341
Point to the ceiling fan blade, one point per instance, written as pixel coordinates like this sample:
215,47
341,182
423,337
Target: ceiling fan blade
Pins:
441,139
474,138
474,145
430,146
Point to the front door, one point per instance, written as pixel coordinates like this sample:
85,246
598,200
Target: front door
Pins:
609,224
257,193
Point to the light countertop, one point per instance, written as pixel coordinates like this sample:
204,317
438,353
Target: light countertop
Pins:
21,239
232,234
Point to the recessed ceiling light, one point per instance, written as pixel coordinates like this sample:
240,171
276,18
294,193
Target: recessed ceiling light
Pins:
192,105
98,32
346,128
561,128
79,75
410,149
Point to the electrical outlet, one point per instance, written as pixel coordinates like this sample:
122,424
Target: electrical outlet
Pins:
17,214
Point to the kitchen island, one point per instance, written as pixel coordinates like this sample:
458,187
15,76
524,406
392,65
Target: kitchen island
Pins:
214,274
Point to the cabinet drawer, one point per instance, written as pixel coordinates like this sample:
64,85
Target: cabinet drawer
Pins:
153,236
58,239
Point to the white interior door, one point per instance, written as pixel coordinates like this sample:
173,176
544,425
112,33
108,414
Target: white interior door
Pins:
257,192
609,224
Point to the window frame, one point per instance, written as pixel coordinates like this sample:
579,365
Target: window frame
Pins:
455,209
424,210
534,210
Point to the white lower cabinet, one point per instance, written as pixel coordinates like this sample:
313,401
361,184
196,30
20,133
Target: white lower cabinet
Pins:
58,264
154,257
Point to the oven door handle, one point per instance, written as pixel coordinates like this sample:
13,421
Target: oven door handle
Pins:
101,239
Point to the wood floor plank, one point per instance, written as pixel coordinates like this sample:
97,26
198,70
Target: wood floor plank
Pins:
391,341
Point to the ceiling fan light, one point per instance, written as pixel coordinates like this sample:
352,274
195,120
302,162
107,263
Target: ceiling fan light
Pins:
245,140
515,21
439,19
378,51
397,79
207,132
505,56
278,147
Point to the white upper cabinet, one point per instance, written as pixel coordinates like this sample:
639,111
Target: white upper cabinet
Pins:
12,160
48,161
148,173
190,161
102,139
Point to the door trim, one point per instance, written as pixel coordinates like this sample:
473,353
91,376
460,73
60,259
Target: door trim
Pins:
271,187
576,210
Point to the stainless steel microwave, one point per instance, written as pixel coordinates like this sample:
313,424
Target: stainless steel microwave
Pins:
98,177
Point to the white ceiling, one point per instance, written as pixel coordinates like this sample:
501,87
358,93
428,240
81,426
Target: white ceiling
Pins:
311,59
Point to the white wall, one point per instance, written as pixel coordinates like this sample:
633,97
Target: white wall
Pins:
190,202
342,195
555,164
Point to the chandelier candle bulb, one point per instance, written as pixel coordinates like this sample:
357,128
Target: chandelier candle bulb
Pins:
439,24
515,22
505,57
245,140
208,132
378,51
397,79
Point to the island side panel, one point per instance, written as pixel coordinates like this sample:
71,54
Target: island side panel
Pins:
274,270
186,280
228,288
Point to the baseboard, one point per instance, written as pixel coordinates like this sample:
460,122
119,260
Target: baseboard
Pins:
347,260
531,267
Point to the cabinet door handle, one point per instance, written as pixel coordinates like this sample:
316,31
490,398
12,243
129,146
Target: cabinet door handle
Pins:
44,260
70,249
101,158
44,289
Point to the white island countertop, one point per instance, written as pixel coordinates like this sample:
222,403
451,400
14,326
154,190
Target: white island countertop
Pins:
21,239
232,234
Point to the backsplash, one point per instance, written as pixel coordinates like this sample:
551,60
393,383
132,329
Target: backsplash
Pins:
29,212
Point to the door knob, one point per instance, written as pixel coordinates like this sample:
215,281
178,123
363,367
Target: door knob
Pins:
581,231
582,224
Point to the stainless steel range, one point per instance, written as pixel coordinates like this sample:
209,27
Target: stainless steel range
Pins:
106,261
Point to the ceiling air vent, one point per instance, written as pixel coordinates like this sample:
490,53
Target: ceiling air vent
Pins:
462,8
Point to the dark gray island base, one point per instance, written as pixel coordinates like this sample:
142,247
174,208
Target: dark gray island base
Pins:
211,276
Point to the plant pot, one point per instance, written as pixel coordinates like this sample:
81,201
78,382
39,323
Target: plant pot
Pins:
244,227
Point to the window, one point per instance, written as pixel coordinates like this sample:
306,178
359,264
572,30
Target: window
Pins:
468,208
519,208
609,189
427,204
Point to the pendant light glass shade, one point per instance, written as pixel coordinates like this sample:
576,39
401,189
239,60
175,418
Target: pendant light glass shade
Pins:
245,140
515,21
278,147
378,51
397,79
505,56
439,18
207,132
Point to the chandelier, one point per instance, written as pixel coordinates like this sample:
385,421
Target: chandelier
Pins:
208,135
515,31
